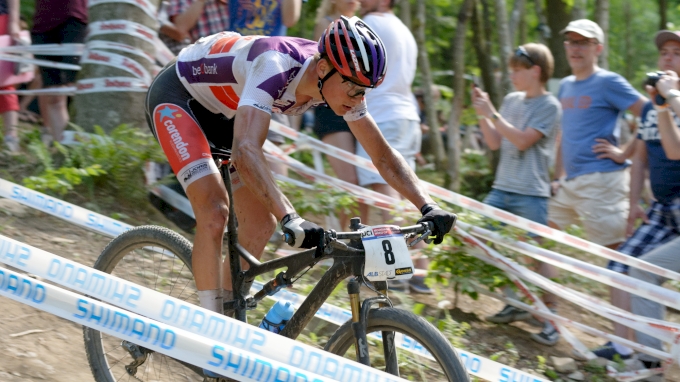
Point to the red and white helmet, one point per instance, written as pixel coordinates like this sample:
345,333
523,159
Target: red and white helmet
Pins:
355,51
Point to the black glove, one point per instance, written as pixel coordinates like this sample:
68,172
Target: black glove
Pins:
443,221
301,233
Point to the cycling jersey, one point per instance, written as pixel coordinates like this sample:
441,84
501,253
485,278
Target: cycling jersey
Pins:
227,70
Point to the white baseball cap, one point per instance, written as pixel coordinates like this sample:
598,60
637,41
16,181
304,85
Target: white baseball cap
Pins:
585,28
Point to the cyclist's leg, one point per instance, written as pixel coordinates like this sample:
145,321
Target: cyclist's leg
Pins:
255,226
188,152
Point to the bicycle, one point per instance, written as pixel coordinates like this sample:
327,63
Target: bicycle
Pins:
131,252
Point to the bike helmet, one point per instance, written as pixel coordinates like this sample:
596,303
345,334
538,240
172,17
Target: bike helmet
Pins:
355,51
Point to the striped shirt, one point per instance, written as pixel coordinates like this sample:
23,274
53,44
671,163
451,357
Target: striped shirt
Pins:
214,19
527,172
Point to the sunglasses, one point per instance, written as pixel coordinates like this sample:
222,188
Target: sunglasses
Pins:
522,52
354,90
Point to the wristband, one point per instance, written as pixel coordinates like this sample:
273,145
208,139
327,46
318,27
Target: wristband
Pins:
289,217
429,207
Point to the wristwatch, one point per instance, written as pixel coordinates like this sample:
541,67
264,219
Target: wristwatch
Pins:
672,94
495,115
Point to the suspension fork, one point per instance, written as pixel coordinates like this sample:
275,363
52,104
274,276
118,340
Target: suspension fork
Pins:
389,346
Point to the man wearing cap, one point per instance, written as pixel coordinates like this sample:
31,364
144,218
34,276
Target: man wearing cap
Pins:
591,181
661,223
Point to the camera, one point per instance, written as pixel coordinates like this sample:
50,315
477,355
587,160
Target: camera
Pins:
653,78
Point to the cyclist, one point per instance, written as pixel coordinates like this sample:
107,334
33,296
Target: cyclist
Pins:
220,92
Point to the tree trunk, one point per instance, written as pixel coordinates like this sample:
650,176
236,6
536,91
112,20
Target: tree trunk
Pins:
663,11
405,12
504,45
523,27
453,132
110,109
543,28
430,107
579,10
515,17
482,45
491,83
602,19
558,18
628,19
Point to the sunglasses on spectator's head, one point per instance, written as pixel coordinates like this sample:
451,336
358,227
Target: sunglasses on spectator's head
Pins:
522,52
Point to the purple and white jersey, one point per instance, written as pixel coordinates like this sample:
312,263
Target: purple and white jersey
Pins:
226,71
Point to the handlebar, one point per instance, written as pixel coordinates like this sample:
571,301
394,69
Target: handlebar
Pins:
422,228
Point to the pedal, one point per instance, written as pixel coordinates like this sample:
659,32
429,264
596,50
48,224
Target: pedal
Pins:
138,354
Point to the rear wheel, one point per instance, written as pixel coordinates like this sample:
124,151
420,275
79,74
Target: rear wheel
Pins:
438,362
159,259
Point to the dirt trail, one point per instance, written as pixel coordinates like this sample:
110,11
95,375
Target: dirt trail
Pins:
53,349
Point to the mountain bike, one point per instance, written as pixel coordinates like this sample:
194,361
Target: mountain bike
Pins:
160,259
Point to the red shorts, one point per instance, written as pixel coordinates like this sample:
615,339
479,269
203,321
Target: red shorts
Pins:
8,102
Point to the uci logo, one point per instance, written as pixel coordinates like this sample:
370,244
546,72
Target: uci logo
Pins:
367,233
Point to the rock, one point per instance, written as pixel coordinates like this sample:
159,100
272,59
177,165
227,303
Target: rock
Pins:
563,365
14,208
576,376
598,362
445,305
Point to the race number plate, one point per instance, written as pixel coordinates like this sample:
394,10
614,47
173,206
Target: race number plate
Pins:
387,256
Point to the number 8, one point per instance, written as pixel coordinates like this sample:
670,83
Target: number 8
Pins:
389,255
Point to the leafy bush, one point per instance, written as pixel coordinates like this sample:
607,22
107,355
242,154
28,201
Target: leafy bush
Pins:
326,200
113,163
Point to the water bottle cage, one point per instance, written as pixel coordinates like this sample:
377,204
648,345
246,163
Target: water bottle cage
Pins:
268,325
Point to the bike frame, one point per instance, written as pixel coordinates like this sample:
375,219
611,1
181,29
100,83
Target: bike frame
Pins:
346,263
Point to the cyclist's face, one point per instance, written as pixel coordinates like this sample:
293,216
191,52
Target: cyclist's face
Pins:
342,94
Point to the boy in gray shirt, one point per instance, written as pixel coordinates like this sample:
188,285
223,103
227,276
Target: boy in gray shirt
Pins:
525,132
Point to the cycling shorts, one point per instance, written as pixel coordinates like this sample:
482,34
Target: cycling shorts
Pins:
185,129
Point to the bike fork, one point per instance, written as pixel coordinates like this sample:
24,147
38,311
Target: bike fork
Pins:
360,323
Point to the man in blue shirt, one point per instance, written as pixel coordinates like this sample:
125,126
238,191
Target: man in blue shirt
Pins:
590,187
661,223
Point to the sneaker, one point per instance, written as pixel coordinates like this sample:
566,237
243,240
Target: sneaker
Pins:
12,144
417,285
509,314
607,351
548,336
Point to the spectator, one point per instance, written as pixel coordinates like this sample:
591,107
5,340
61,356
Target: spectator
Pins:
189,20
57,22
525,131
591,181
661,223
328,126
9,103
392,106
264,17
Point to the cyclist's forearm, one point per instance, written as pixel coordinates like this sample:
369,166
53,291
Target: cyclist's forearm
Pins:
397,173
255,174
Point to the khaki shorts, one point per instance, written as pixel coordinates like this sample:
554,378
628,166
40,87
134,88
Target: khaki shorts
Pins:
597,201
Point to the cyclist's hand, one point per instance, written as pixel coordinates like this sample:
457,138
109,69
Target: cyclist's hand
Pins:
443,221
301,233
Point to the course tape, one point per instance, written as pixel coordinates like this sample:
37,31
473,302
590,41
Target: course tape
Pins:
101,44
216,356
100,57
181,315
659,329
144,5
125,27
46,49
484,209
63,210
476,365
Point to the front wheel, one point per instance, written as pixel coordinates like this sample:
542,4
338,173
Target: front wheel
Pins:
159,259
438,362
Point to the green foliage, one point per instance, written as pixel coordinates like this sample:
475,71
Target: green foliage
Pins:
113,163
476,174
326,200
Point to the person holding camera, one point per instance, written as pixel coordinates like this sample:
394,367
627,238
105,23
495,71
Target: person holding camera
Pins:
590,187
657,240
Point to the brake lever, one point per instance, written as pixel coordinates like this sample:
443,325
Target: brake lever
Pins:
424,237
